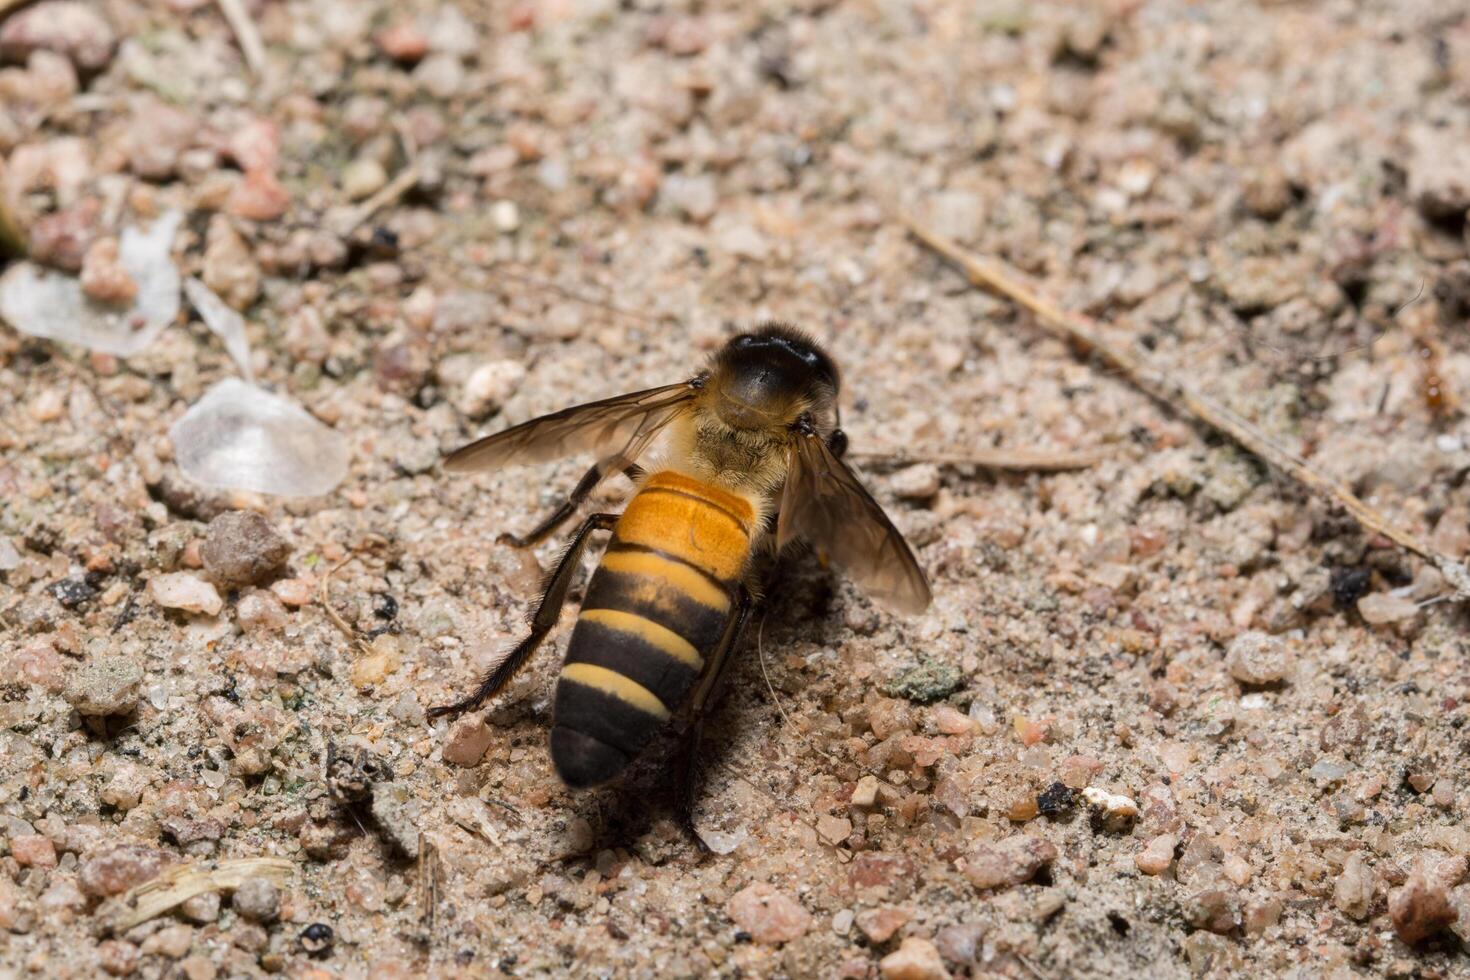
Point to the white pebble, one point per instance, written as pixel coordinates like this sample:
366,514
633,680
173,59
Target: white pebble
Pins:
180,590
362,178
1256,658
1380,608
1114,811
489,386
506,215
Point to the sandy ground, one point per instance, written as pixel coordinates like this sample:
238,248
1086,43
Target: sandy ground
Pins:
1271,194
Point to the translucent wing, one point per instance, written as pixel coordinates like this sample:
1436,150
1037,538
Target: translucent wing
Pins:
824,503
623,425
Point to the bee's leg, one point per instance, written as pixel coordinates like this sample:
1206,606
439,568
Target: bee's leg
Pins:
591,479
699,707
547,613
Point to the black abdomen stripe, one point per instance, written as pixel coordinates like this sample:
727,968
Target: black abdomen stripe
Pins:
630,655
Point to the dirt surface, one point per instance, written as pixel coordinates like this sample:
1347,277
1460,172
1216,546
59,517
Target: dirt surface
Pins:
1272,195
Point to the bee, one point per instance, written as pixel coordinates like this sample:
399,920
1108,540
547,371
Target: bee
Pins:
752,463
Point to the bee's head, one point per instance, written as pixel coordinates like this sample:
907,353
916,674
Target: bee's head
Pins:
769,378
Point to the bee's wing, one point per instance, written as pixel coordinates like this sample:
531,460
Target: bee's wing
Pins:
824,503
622,425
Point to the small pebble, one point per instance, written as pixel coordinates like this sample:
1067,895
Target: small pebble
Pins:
117,958
950,721
506,215
489,387
1012,861
1028,731
1256,658
294,592
834,829
114,871
70,27
1382,608
202,909
880,924
171,942
242,548
183,590
1157,854
441,75
103,277
259,611
259,197
256,145
915,959
1056,800
104,686
404,42
1267,192
1422,906
959,944
200,967
865,794
467,742
38,662
374,666
1439,173
1113,813
1213,909
768,915
33,851
125,790
1352,893
362,178
397,814
229,268
257,899
915,482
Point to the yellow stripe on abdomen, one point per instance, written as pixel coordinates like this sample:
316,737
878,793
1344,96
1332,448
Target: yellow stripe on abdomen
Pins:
667,572
615,684
661,638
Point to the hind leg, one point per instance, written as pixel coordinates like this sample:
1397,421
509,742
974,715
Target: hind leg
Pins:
547,613
700,705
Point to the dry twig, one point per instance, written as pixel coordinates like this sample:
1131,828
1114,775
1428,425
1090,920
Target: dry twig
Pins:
428,885
390,192
182,882
1087,334
246,34
995,459
324,599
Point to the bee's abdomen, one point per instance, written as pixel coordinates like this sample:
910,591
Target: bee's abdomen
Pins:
655,609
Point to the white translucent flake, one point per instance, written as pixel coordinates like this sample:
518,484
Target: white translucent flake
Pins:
720,842
240,437
9,557
44,303
223,322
